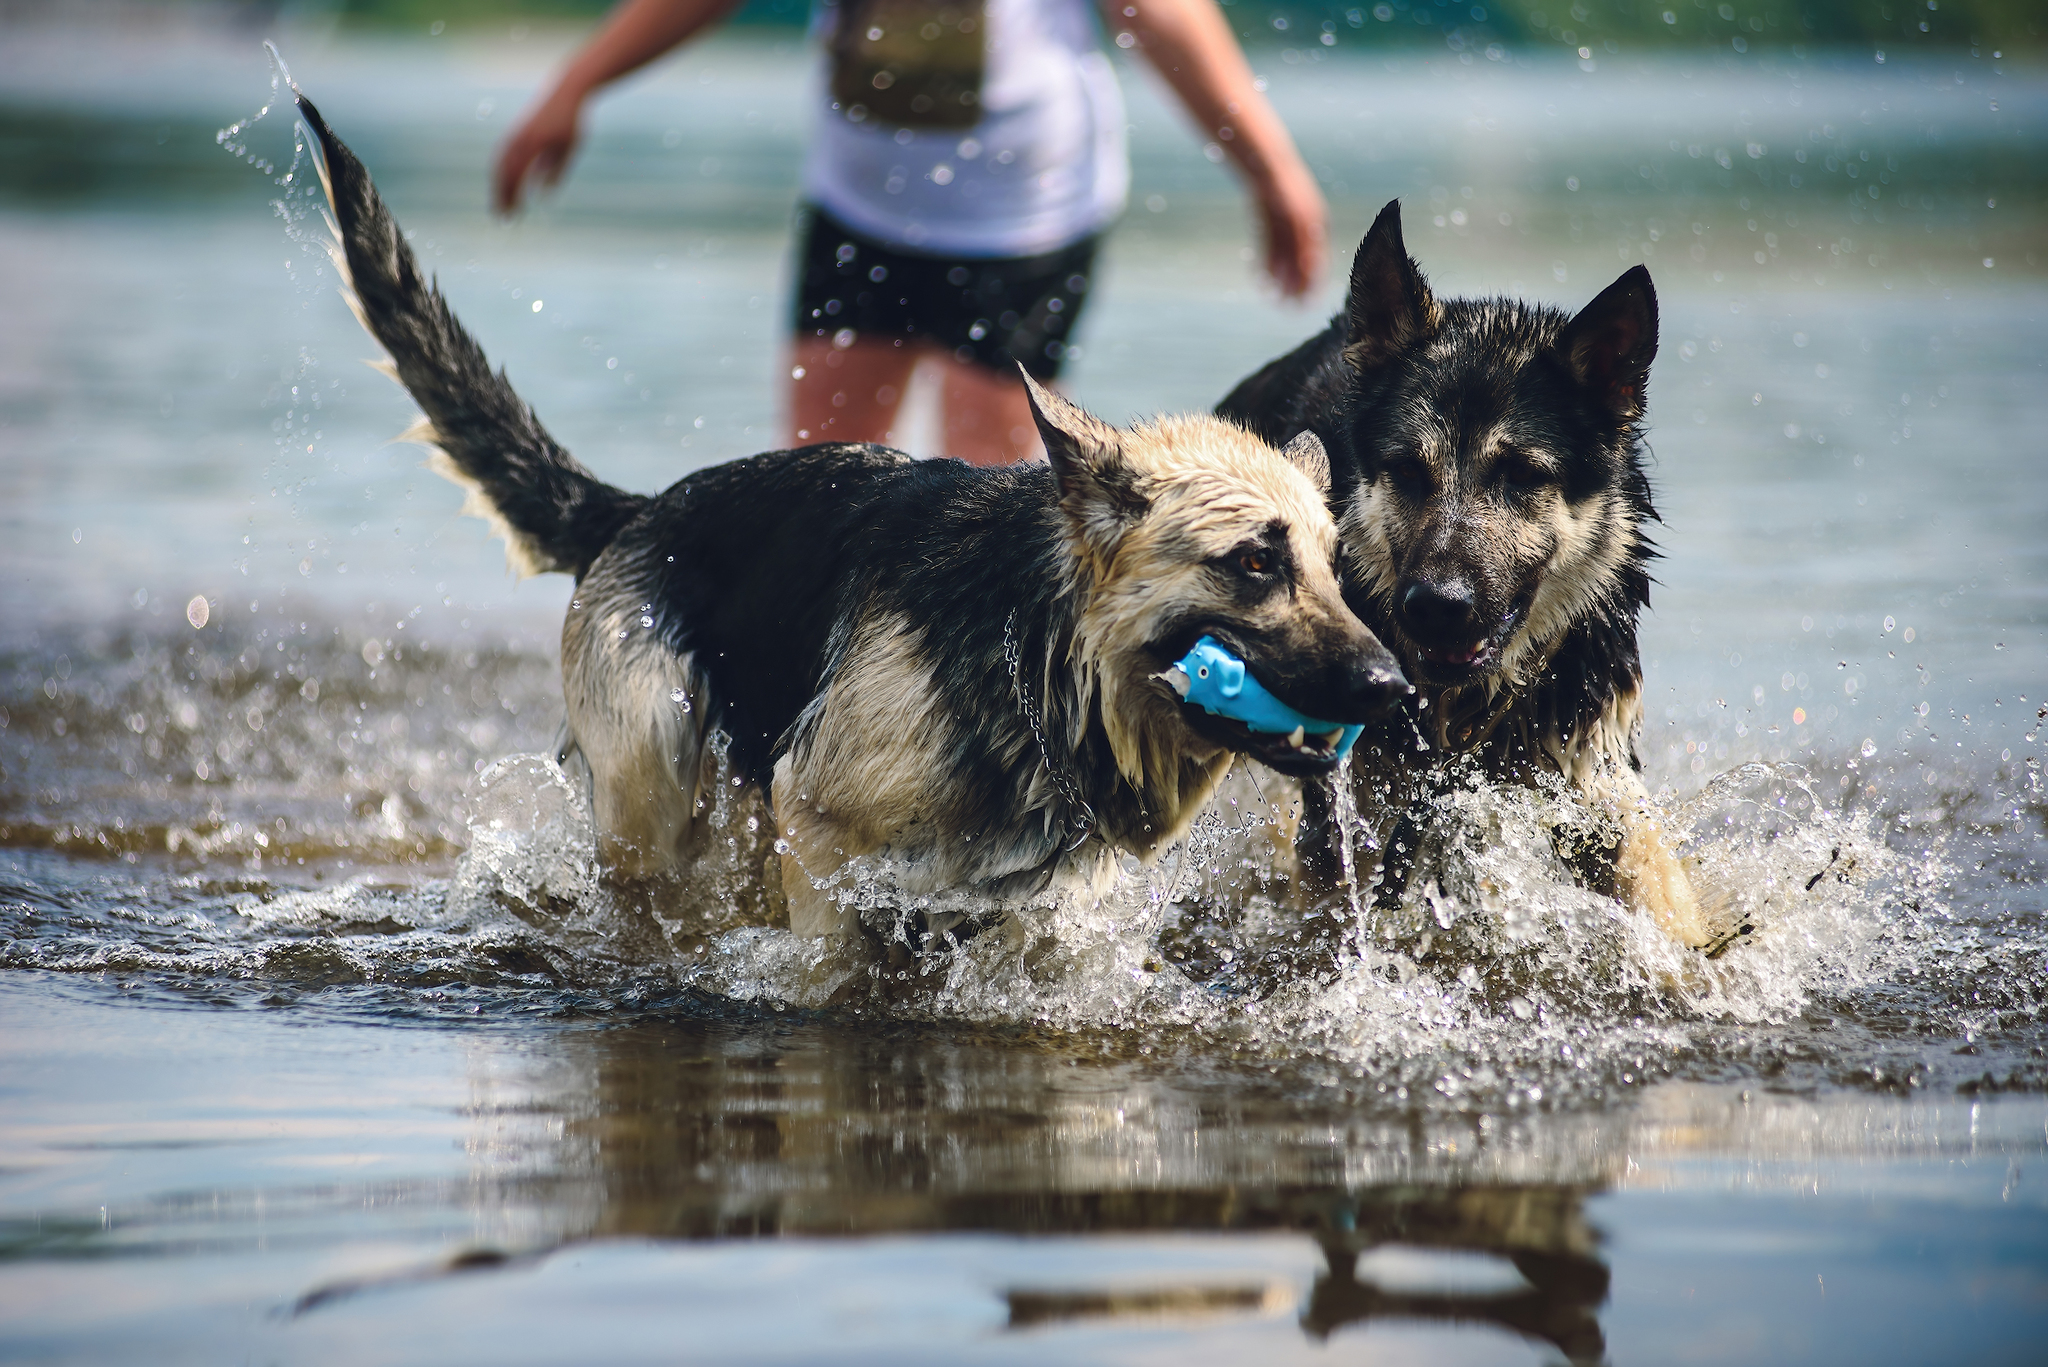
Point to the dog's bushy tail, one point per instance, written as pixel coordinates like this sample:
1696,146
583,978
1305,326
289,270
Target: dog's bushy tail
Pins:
553,513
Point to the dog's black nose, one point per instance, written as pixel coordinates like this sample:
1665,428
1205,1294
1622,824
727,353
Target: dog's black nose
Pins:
1370,681
1357,683
1441,612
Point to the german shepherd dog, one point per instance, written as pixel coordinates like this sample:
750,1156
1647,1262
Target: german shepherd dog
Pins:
1487,481
952,674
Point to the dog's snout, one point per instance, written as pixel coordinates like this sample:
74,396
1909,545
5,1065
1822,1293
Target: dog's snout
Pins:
1440,611
1370,680
1346,675
1361,679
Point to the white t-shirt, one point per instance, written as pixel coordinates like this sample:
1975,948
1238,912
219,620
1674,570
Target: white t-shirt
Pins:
1045,166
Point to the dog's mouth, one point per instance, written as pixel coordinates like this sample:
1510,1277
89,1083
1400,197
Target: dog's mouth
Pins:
1304,752
1463,662
1440,663
1300,754
1462,656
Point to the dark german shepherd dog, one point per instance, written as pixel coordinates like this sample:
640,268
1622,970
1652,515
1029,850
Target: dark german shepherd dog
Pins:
1488,486
947,675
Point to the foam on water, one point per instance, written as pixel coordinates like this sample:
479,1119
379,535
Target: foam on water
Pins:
1498,978
286,812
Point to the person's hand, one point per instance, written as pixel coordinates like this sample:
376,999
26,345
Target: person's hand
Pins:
542,144
1296,224
1189,43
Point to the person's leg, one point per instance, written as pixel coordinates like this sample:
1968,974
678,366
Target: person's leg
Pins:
986,417
1003,312
849,393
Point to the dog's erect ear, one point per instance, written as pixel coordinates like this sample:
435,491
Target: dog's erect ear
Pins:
1098,488
1390,306
1609,346
1309,457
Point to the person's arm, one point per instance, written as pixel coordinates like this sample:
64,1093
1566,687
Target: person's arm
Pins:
1193,48
635,34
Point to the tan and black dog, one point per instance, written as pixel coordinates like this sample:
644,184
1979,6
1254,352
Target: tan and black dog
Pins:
1488,484
946,676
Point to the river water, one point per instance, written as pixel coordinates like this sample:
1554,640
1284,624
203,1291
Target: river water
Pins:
318,1045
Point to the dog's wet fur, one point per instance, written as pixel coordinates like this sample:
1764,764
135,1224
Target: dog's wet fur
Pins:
869,630
1487,479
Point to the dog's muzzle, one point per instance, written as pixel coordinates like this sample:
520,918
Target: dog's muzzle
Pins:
1224,701
1454,640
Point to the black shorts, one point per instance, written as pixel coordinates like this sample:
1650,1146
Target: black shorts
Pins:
995,312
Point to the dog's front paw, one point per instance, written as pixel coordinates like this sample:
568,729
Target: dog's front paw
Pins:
1730,917
1654,880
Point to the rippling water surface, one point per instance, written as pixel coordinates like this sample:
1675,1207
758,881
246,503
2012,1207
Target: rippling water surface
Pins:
322,1043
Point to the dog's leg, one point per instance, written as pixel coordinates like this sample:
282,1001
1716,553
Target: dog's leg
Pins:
1648,874
1319,867
1640,868
1396,860
1329,901
813,849
643,817
1392,821
637,710
862,768
1255,854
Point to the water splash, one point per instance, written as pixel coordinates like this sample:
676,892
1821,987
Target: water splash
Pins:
302,209
278,813
532,847
230,137
1495,938
1350,828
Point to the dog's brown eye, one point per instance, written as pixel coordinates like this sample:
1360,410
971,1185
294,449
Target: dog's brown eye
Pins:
1255,562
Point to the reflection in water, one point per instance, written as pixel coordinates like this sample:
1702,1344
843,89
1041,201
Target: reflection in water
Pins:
1030,1309
763,1178
680,1130
1541,1230
689,1131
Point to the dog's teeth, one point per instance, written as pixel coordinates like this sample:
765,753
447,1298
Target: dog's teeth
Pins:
1295,737
1334,737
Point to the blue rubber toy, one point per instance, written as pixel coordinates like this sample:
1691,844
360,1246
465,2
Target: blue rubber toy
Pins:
1217,681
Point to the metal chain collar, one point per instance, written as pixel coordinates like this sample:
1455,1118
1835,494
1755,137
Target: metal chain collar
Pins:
1081,817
